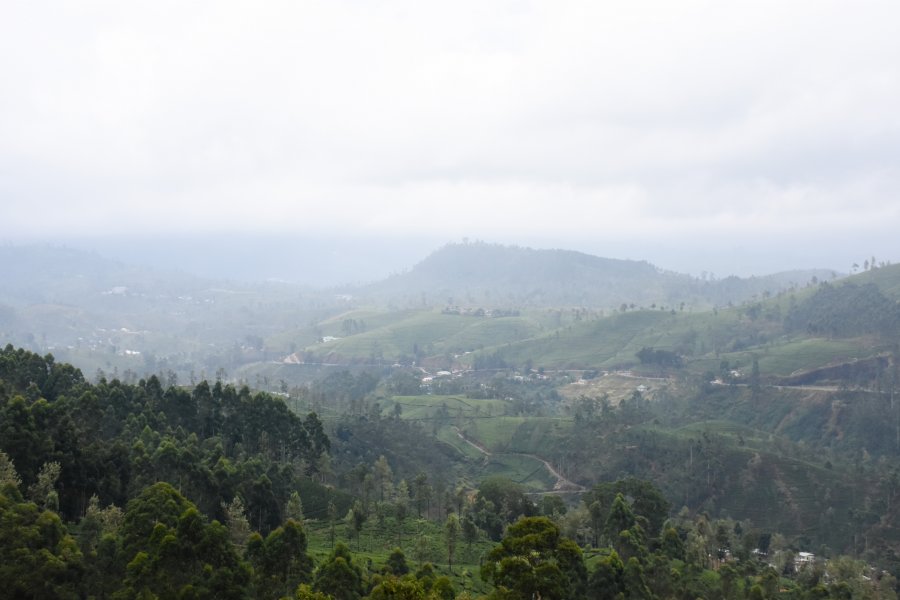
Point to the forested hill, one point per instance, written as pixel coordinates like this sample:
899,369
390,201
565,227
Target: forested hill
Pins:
510,276
36,274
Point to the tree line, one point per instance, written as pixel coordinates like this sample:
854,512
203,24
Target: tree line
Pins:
111,490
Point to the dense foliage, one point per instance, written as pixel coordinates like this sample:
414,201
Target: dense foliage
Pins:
846,310
136,491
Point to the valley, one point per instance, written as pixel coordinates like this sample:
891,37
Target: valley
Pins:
771,415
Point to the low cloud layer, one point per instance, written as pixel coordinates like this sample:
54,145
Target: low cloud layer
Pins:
651,122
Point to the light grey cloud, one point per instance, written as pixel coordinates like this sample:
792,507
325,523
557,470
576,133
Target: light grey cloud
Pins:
507,120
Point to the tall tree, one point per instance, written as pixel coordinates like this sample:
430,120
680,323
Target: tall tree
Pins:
294,508
38,558
401,509
281,562
8,474
338,576
383,477
238,525
172,551
356,517
451,528
534,559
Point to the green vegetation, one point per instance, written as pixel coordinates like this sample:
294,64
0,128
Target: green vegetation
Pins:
448,448
237,466
505,306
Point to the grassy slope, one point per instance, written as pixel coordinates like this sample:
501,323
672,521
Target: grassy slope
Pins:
602,343
706,338
595,344
886,278
744,471
377,541
429,331
506,439
787,356
558,339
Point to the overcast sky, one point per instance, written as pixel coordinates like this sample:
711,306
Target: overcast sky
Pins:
698,135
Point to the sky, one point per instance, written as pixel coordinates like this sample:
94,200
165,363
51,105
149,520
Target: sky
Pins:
733,137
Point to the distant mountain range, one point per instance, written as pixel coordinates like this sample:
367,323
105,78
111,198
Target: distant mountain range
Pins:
511,277
102,314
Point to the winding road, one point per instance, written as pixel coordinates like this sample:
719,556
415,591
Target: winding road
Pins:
562,484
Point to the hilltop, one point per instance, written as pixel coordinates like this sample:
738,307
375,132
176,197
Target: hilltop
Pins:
493,275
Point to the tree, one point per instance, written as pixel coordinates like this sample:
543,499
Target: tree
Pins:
38,558
422,492
754,378
422,550
393,588
500,500
620,518
8,474
396,563
451,527
598,518
607,582
332,517
356,517
294,508
21,437
305,592
663,358
552,505
634,583
99,522
644,499
469,530
338,576
533,558
281,562
171,551
401,509
236,520
671,545
383,477
728,576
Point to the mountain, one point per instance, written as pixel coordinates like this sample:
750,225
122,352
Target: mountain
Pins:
489,275
101,313
552,308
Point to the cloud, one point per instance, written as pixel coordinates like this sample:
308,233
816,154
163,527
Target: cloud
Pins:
564,119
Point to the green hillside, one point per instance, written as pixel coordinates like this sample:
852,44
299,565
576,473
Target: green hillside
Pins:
421,333
786,460
516,277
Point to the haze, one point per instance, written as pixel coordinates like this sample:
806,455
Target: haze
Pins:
328,141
